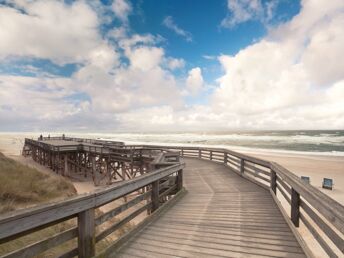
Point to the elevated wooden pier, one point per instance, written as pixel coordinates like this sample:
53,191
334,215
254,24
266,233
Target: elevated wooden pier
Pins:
199,202
104,162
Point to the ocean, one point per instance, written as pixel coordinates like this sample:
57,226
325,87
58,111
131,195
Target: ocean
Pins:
321,142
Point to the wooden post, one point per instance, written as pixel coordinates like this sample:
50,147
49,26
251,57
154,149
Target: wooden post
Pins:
58,163
180,180
211,155
94,171
199,153
273,181
242,166
66,170
80,161
39,156
182,152
225,158
295,207
123,171
155,195
86,237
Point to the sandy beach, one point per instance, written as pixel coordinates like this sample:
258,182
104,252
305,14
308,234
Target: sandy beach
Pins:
315,166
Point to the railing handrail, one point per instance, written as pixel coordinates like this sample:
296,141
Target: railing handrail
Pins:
96,141
259,161
327,206
291,178
281,178
269,175
18,222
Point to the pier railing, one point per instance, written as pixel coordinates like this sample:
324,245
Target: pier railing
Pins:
84,140
303,204
322,216
86,227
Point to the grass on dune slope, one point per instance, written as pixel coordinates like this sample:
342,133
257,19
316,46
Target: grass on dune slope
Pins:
22,186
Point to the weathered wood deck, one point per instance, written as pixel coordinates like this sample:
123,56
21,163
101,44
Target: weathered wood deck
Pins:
233,207
223,215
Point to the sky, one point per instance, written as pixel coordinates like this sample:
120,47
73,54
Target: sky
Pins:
172,65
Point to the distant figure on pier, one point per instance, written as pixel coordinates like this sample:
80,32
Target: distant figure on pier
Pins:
63,136
49,136
41,137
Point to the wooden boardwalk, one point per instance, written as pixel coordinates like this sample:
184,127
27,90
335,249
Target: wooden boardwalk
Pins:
222,215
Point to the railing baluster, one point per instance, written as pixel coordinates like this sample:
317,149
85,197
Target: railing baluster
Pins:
225,158
155,195
86,230
273,181
200,153
242,166
295,207
179,180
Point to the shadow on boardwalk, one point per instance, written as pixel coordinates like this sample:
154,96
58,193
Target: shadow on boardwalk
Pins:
223,215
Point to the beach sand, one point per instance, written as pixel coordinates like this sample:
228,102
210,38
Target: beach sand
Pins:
315,166
11,146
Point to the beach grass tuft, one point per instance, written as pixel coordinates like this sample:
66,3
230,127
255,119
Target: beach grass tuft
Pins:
22,186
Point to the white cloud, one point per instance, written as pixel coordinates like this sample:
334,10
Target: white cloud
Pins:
208,57
175,63
194,81
122,8
287,80
323,58
108,85
145,58
245,10
169,23
49,29
293,78
276,83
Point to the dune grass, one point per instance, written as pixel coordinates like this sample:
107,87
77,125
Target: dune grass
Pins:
22,186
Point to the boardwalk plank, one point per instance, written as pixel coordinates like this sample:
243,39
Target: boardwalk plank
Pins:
223,215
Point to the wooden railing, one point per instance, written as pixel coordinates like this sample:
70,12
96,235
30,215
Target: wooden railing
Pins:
84,140
86,225
322,216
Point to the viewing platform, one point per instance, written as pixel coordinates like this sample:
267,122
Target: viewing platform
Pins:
195,202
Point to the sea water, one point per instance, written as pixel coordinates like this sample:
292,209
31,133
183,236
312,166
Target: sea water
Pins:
321,142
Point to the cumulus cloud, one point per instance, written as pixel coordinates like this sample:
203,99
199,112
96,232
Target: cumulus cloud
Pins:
102,87
194,81
170,23
48,29
285,79
292,78
241,11
175,63
122,9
